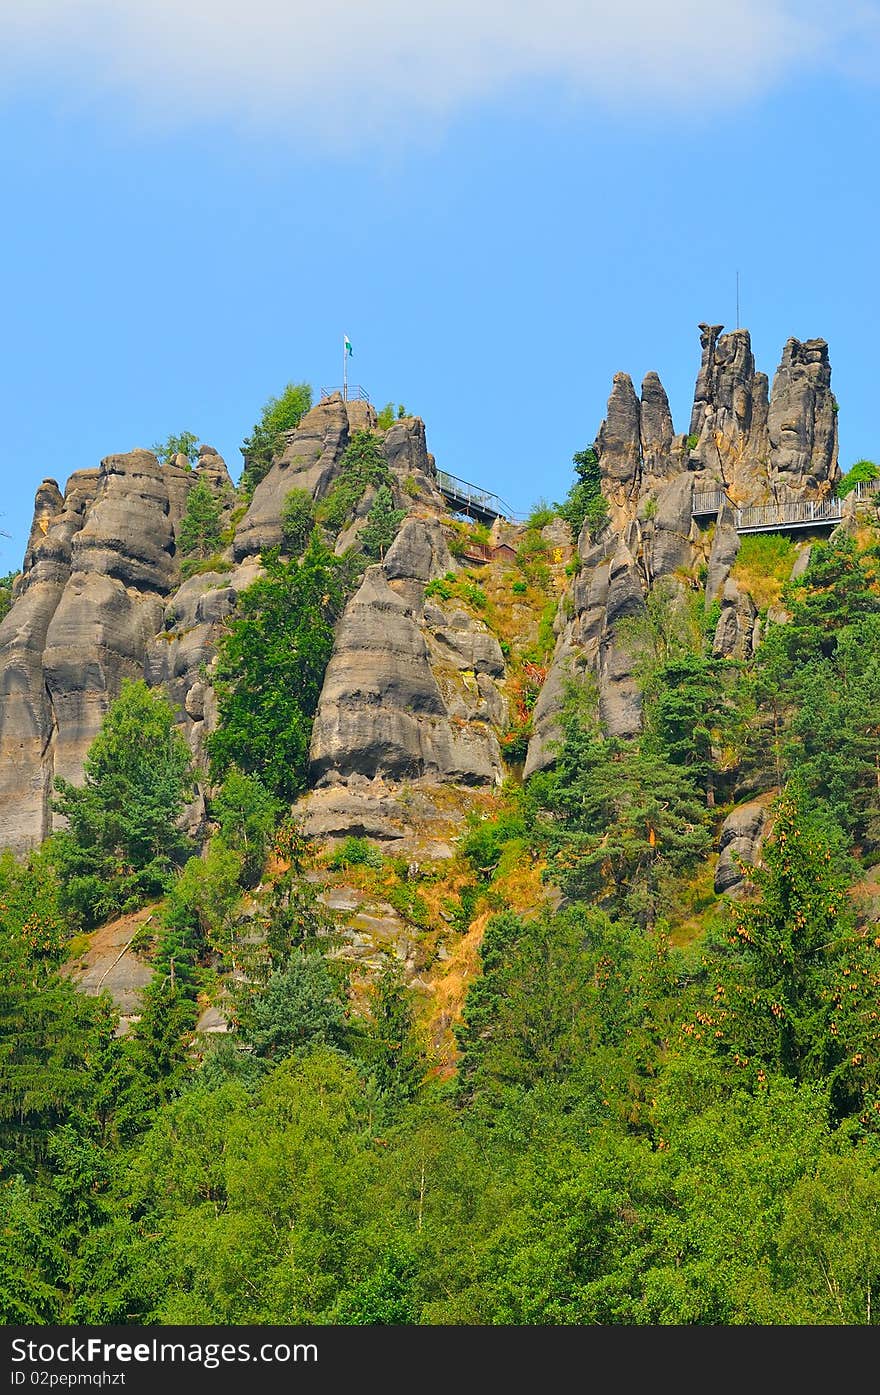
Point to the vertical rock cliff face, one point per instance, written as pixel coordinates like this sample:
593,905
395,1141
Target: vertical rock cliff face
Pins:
100,598
414,695
779,448
99,566
757,447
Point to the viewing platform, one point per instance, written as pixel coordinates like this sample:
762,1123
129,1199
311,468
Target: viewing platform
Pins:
469,499
779,518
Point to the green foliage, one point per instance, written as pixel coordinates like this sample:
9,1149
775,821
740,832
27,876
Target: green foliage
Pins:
361,466
279,414
786,994
519,588
385,416
485,840
48,1032
301,1006
692,442
540,515
122,841
201,905
862,472
391,1047
619,818
355,852
585,503
297,521
552,992
271,668
694,715
247,814
461,586
199,532
411,904
201,566
382,524
443,587
6,584
763,565
295,917
185,443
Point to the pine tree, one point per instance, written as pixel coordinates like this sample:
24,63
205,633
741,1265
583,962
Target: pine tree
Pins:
123,842
382,524
199,533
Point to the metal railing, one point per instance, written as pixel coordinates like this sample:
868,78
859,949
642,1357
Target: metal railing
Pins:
353,392
705,504
799,513
466,497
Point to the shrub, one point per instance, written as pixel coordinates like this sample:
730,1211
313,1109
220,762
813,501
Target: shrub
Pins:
540,515
411,905
198,566
382,524
183,444
862,472
519,588
355,852
585,502
271,667
6,583
515,744
297,521
362,465
279,414
763,565
123,841
484,841
246,813
199,532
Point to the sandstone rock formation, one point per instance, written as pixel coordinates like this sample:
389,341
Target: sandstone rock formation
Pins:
99,564
746,443
414,694
739,841
409,694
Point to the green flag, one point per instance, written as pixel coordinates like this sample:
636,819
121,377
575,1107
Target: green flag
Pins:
348,348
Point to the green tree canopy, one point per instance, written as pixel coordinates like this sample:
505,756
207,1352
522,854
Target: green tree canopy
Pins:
297,521
199,533
279,414
382,524
122,840
585,502
271,667
184,443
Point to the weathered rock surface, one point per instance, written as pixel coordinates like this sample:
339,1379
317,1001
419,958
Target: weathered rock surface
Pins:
802,422
382,712
100,562
735,634
755,446
740,839
414,693
309,461
606,591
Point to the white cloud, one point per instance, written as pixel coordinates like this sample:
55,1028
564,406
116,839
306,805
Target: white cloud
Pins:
342,68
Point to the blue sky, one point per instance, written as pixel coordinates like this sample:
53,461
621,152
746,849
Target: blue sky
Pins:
501,204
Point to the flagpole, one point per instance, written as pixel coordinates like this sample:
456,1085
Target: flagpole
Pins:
344,369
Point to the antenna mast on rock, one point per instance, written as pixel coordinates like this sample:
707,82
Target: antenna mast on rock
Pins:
737,300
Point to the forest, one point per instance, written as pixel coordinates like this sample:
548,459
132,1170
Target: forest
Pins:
662,1106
